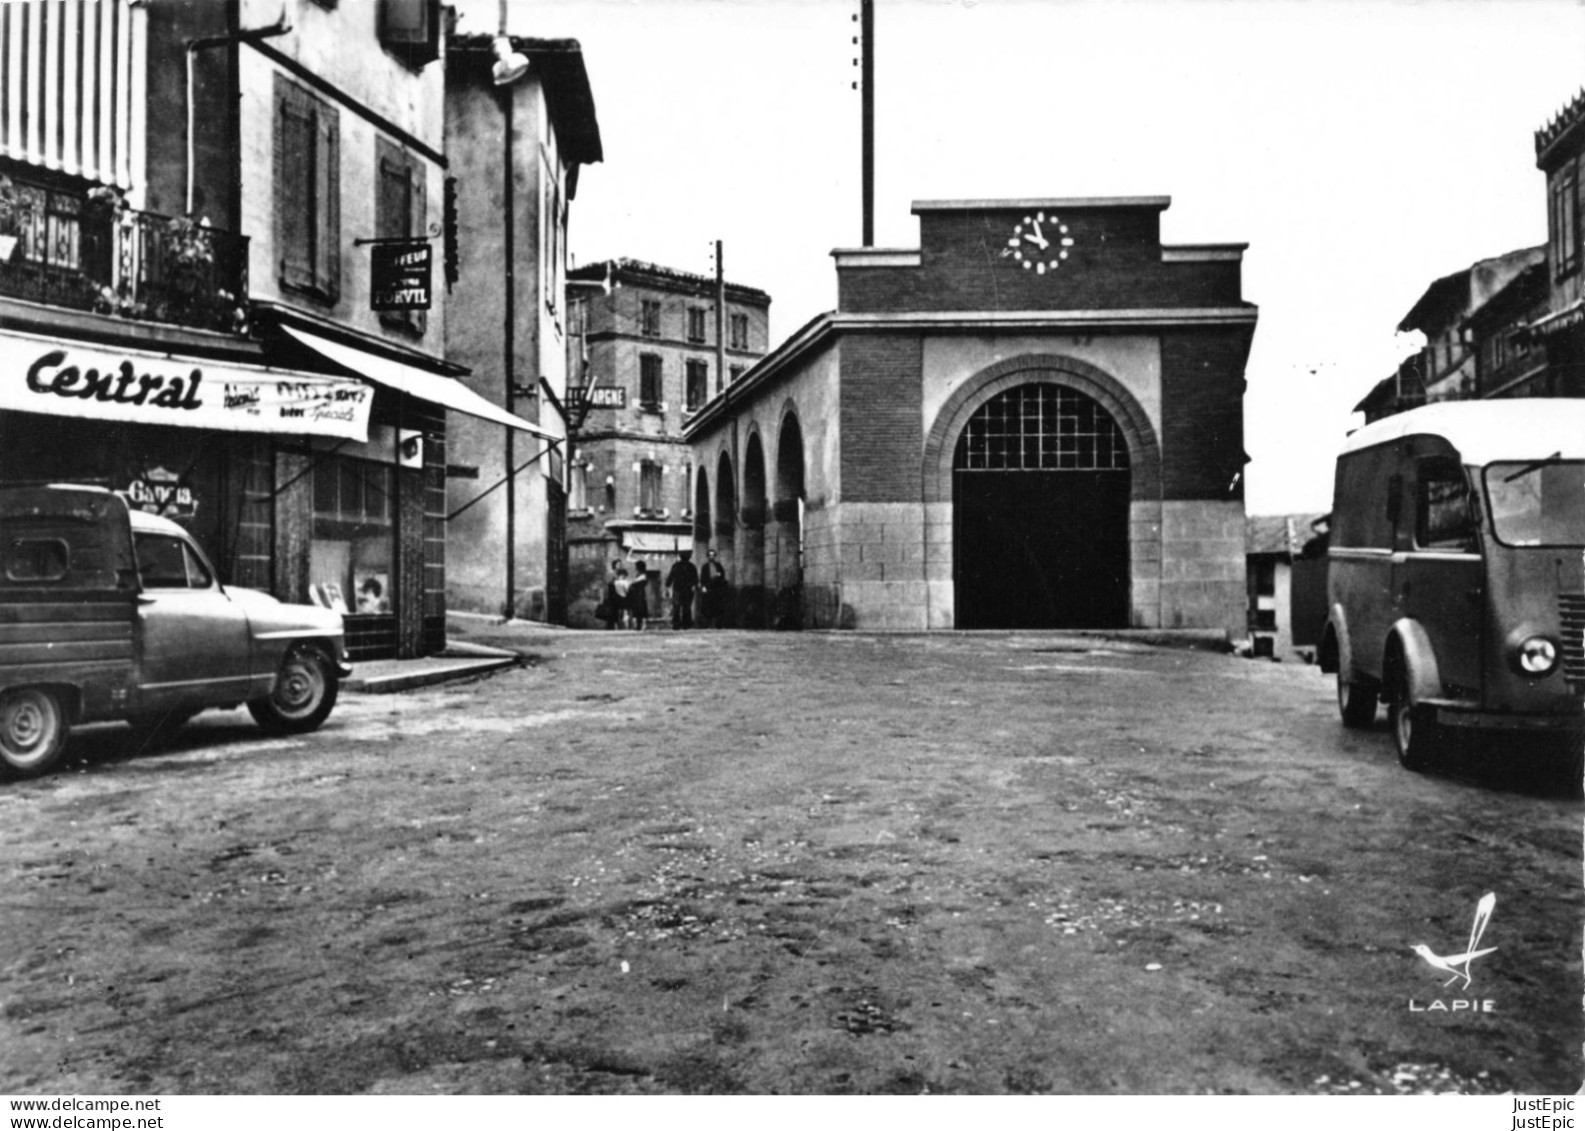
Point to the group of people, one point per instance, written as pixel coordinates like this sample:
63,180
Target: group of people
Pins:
626,603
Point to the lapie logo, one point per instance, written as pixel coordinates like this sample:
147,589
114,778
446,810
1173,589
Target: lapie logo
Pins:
1458,965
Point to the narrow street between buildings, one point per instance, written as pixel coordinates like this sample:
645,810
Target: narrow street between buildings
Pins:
819,863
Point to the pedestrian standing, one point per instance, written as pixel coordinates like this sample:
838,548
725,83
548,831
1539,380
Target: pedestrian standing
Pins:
713,578
681,581
610,609
637,598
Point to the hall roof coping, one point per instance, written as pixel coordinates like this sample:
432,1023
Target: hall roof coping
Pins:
1042,202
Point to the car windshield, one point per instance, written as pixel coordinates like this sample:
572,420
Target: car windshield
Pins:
1537,503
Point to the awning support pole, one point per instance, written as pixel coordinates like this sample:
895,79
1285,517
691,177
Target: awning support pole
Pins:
505,479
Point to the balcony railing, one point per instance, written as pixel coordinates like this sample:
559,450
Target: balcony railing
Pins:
88,252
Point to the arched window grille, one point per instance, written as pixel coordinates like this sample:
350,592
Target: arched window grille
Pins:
1041,427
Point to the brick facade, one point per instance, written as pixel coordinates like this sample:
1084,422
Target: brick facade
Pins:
1154,339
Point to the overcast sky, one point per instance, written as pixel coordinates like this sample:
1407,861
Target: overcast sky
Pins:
1361,149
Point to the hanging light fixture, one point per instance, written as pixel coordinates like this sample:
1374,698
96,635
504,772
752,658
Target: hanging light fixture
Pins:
510,65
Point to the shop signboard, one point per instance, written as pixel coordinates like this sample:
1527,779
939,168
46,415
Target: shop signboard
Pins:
62,377
399,276
599,396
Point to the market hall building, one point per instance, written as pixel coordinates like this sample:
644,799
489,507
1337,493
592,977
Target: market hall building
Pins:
1035,420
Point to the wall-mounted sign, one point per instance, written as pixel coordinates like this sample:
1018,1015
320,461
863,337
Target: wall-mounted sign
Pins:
161,491
399,276
65,378
599,396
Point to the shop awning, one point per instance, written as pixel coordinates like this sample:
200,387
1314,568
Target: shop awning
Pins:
415,382
61,377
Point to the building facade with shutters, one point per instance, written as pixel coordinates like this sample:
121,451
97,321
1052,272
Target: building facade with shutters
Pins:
517,149
1032,420
197,195
648,354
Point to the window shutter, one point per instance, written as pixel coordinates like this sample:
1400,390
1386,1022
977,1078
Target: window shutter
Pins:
327,202
418,221
293,156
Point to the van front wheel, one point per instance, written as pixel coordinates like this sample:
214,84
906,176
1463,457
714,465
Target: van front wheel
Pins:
1356,702
1414,729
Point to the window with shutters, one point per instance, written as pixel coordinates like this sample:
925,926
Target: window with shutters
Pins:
698,384
649,312
696,323
410,30
740,331
649,487
400,209
1564,222
649,381
307,192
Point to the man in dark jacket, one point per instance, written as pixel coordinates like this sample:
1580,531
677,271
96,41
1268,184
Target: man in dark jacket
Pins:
713,606
681,581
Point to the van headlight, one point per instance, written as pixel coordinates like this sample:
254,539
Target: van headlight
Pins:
1536,655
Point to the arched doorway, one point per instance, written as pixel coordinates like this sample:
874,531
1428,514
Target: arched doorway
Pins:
1040,491
701,512
718,610
786,541
751,548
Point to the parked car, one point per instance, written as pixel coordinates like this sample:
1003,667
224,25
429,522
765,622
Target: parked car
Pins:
1455,582
110,613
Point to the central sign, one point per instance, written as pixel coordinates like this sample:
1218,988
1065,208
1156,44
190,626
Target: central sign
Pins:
399,275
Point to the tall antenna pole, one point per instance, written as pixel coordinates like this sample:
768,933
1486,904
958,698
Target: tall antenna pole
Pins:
867,97
720,320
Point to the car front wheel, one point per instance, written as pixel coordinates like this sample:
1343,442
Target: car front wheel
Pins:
32,731
305,691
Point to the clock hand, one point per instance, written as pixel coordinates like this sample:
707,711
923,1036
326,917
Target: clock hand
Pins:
1038,241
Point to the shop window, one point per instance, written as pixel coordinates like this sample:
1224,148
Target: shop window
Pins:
740,331
696,323
307,191
400,209
353,541
649,477
698,384
649,381
649,318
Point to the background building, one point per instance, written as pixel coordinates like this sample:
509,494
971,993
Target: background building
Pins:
649,346
1472,321
516,151
1035,419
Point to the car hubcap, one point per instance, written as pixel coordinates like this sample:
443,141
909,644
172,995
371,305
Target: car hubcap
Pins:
26,727
300,686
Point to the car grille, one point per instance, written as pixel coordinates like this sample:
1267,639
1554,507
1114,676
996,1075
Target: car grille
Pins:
1571,611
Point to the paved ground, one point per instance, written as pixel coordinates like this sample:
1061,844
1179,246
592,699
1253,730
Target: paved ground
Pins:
798,863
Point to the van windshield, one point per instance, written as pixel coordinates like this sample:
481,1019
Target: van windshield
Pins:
1537,503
